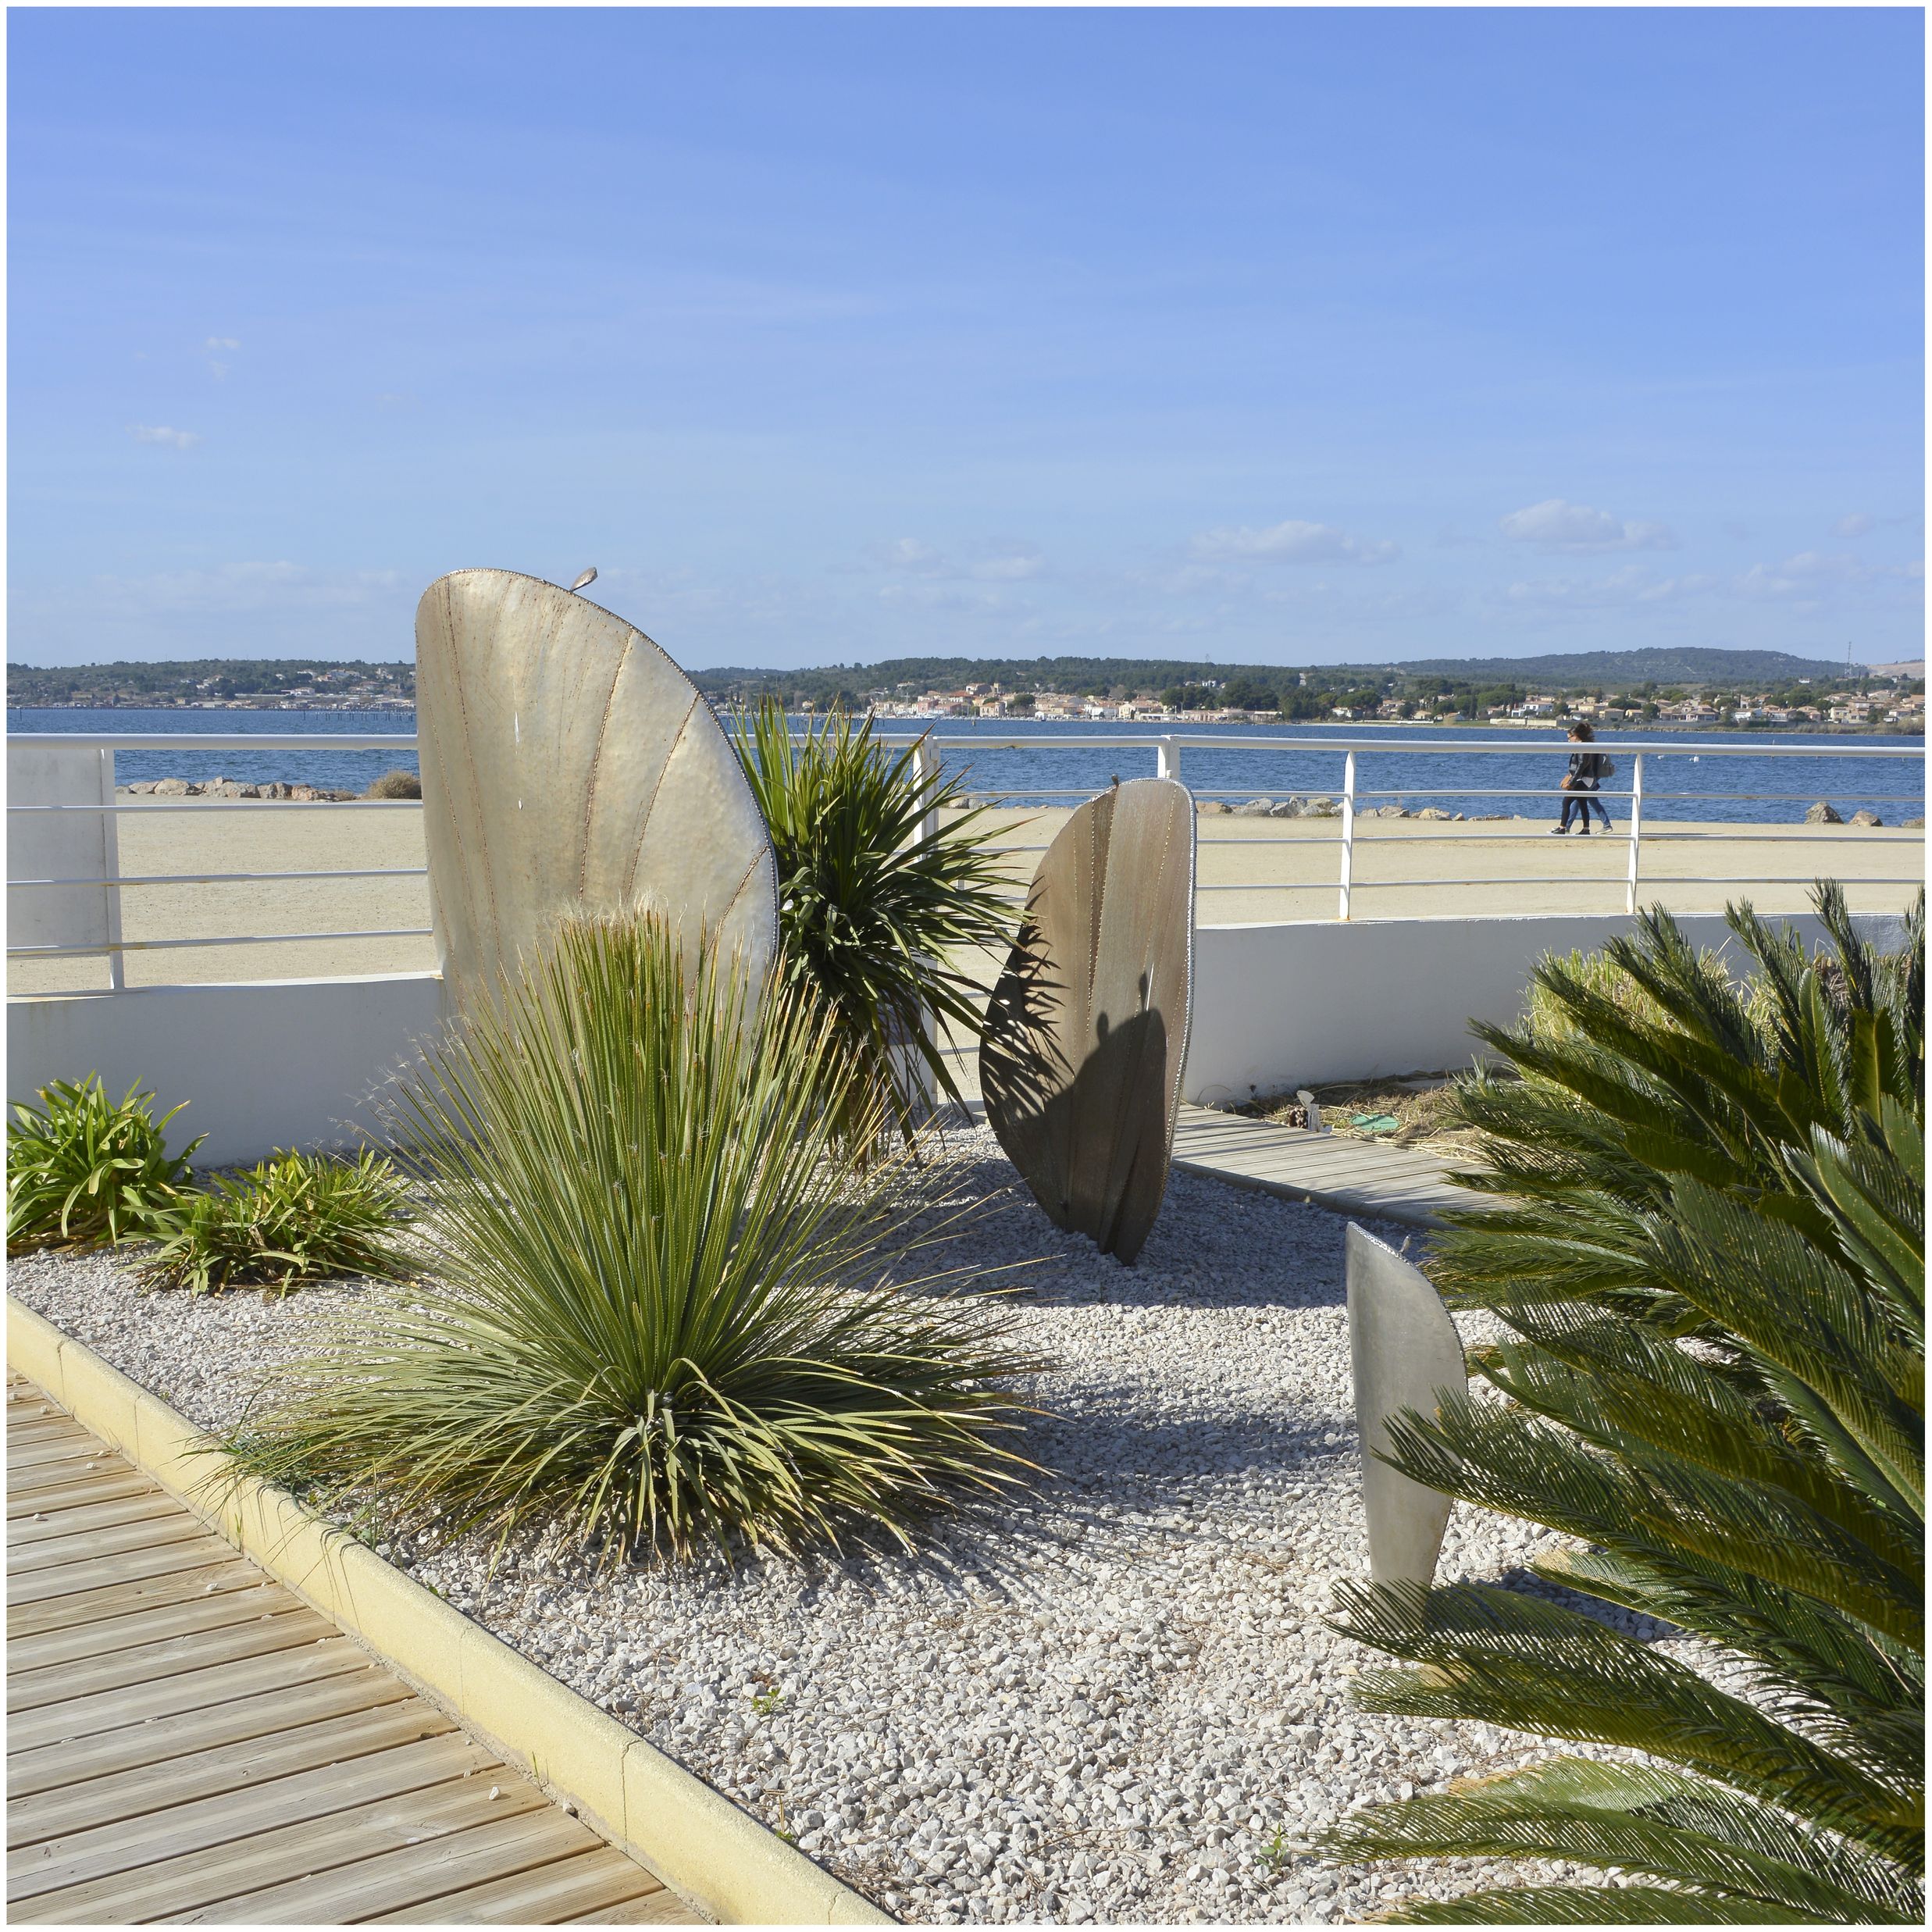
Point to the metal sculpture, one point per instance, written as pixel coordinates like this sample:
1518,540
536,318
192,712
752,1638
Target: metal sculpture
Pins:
1405,1351
1086,1033
569,766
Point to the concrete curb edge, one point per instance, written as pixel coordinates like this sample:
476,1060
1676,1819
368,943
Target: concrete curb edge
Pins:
719,1858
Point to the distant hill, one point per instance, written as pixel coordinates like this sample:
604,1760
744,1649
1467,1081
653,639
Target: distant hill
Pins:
1689,667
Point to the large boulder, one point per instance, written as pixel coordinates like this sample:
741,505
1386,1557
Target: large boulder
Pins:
1822,814
1866,818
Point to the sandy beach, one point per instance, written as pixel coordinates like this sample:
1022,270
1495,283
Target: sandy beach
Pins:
1249,870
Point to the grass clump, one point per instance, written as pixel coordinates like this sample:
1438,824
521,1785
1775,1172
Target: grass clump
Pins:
640,1323
397,784
293,1218
82,1169
870,906
1711,1276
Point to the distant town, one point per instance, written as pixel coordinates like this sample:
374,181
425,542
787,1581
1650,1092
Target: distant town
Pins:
1762,691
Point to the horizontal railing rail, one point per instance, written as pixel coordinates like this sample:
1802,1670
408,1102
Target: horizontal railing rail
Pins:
1349,812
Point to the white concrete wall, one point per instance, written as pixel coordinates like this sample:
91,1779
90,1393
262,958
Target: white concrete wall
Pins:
262,1064
1287,1006
285,1063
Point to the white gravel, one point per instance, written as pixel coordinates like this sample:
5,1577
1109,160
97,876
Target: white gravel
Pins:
1118,1701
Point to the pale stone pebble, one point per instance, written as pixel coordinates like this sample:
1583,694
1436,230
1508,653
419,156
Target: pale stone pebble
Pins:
1117,1701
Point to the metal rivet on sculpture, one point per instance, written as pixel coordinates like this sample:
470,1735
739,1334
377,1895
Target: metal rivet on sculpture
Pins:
569,766
1404,1348
1086,1033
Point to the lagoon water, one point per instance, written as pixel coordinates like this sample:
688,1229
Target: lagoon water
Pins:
1713,778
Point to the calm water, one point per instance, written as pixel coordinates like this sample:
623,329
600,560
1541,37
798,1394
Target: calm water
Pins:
1742,789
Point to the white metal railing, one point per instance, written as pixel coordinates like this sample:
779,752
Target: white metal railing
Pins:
1168,750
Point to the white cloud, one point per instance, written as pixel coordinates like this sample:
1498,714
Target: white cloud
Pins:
1012,563
222,342
1292,542
1860,523
1558,526
172,439
1631,585
1001,563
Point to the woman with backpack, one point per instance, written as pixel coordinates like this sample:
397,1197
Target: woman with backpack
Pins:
1587,770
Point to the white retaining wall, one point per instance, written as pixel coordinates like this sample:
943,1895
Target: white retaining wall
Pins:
1282,1007
263,1063
284,1063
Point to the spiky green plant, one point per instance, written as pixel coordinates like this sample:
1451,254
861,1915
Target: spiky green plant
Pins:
83,1170
295,1217
872,908
646,1316
1713,1286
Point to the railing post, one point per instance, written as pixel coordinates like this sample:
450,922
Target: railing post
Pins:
111,871
1348,830
925,763
1636,828
1167,758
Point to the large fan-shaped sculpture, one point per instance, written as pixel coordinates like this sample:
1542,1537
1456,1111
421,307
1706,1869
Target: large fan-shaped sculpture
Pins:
569,766
1086,1033
1403,1349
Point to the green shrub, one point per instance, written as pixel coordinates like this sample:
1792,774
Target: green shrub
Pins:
397,784
871,907
640,1320
1712,1283
297,1217
82,1169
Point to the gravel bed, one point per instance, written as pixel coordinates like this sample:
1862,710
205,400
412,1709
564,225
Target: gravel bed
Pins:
1116,1702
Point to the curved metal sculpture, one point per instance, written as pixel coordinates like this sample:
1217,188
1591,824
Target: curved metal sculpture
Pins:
1404,1349
1086,1033
569,766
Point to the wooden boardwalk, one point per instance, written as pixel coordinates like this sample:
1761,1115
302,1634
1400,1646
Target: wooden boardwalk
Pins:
186,1742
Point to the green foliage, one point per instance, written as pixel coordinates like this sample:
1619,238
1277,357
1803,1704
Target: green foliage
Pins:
1712,1285
396,784
82,1169
645,1320
871,907
297,1217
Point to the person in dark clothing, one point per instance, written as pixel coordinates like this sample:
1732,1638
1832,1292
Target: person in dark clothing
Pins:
1587,770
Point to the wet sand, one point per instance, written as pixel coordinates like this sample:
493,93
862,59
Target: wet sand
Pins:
1249,870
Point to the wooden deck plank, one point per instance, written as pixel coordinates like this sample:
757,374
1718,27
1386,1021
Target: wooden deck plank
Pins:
329,1656
228,1767
204,1824
47,1526
86,1577
148,1662
106,1539
186,1740
101,1487
108,1751
292,1858
69,1616
594,1880
393,1878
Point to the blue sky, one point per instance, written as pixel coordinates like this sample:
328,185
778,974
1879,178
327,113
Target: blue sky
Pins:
1280,336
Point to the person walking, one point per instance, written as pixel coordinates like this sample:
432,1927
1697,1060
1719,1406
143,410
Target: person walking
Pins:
1587,770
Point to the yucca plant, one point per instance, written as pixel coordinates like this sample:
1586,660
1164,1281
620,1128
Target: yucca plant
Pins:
647,1317
295,1217
83,1170
872,908
1712,1279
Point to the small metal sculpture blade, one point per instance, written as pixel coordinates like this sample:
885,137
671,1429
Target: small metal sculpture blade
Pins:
1404,1349
1086,1033
569,766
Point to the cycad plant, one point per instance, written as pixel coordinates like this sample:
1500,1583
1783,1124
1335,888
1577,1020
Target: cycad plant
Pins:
647,1317
873,909
1711,1274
